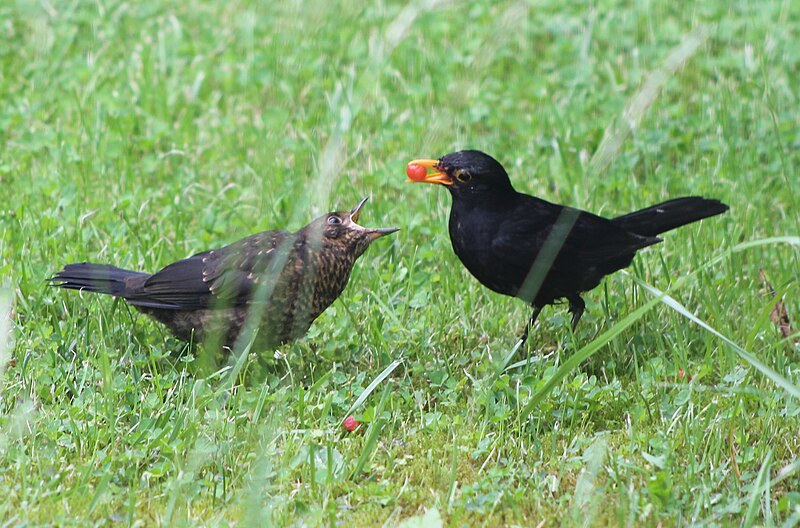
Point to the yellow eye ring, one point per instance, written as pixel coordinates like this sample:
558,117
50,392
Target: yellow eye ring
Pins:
463,176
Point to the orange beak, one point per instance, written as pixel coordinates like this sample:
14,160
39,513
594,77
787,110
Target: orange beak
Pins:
414,172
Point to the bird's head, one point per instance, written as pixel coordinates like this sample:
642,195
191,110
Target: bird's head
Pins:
341,229
463,172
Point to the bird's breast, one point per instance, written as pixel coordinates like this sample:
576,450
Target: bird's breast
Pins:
472,243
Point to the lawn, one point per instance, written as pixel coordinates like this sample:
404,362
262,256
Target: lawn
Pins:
138,133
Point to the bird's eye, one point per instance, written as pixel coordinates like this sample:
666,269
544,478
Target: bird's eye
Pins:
334,220
463,176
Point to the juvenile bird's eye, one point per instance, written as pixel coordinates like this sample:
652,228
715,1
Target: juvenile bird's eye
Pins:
333,220
463,176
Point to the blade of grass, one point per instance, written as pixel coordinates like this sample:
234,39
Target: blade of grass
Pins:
584,353
787,471
100,490
372,434
643,99
5,328
776,378
588,490
759,487
451,493
371,387
230,373
791,240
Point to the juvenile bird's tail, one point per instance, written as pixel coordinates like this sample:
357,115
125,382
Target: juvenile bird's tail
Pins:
657,219
98,278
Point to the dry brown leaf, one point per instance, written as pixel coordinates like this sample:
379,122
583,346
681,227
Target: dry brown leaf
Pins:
778,315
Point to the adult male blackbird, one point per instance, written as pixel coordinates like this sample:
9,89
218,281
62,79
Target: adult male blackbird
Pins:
276,282
541,252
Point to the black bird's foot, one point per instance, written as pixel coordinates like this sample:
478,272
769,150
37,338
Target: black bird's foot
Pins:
524,337
576,308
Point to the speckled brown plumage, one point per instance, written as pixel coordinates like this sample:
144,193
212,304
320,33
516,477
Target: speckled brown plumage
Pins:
275,282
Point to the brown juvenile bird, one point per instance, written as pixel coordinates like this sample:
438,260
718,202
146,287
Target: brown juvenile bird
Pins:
540,252
276,281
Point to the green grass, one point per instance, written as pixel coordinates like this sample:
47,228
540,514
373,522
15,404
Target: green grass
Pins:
137,133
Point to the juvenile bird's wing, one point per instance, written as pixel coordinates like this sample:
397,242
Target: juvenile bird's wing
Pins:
218,278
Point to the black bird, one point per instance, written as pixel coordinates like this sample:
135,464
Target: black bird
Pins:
541,252
275,280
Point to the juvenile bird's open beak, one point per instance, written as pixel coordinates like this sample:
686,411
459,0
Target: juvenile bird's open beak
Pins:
383,231
376,232
436,177
357,209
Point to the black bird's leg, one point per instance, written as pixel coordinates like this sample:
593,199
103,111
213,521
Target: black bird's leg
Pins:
576,307
531,321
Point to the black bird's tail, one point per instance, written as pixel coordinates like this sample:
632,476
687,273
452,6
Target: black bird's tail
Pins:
657,219
98,278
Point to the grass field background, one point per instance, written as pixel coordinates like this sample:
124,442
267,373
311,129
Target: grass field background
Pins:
137,133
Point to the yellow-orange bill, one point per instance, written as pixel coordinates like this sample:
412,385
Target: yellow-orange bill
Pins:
417,171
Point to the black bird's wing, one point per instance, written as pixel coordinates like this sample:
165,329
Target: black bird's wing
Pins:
588,246
218,278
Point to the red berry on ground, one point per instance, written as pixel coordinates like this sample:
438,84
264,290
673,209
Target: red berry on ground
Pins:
416,172
350,423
